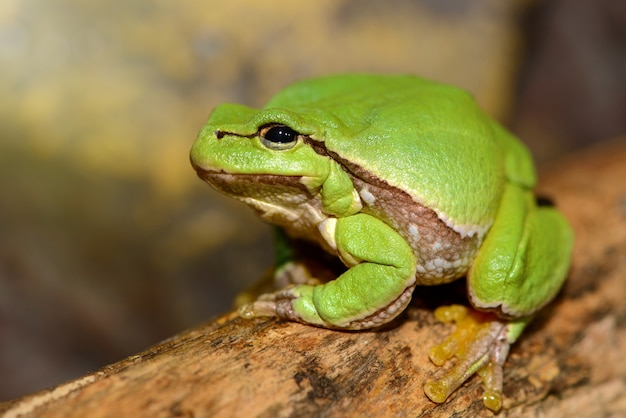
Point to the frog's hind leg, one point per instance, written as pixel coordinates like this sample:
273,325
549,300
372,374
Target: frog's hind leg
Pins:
524,260
520,267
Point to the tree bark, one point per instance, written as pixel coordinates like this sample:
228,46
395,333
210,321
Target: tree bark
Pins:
569,362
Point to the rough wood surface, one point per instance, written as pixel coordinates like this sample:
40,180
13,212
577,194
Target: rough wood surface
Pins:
570,362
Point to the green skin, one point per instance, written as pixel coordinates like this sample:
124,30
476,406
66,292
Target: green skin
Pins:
408,183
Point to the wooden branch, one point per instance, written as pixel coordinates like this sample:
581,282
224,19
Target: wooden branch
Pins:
570,362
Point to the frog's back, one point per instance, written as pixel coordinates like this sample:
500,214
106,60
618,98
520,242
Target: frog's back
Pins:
427,139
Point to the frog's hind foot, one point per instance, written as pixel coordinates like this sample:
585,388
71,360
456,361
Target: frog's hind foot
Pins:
480,344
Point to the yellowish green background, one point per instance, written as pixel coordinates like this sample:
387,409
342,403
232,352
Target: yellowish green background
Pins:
108,241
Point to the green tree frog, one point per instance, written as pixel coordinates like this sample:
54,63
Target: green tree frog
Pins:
408,183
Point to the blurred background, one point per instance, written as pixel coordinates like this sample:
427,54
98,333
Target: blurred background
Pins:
108,241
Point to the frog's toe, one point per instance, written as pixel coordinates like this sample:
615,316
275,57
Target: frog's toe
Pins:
277,303
257,308
480,344
491,373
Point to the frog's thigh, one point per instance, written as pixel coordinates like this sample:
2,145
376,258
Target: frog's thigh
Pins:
382,268
546,261
523,261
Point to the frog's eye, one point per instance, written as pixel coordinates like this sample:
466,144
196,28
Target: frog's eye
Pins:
278,137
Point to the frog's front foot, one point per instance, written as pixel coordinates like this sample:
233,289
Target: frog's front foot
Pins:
272,304
480,344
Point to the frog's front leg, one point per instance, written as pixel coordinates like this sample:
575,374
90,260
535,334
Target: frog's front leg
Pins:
291,268
520,267
376,287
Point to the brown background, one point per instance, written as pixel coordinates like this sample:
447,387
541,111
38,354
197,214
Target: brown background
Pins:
108,242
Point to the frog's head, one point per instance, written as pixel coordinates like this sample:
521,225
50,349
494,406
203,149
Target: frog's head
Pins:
268,159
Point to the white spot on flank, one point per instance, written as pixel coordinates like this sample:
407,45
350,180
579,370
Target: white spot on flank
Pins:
414,232
367,196
439,266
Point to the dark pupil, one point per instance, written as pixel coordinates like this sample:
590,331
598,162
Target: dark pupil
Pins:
281,134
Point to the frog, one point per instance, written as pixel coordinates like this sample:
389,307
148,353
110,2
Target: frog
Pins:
408,183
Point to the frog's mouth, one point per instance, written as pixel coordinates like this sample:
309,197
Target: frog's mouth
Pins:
259,185
277,199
